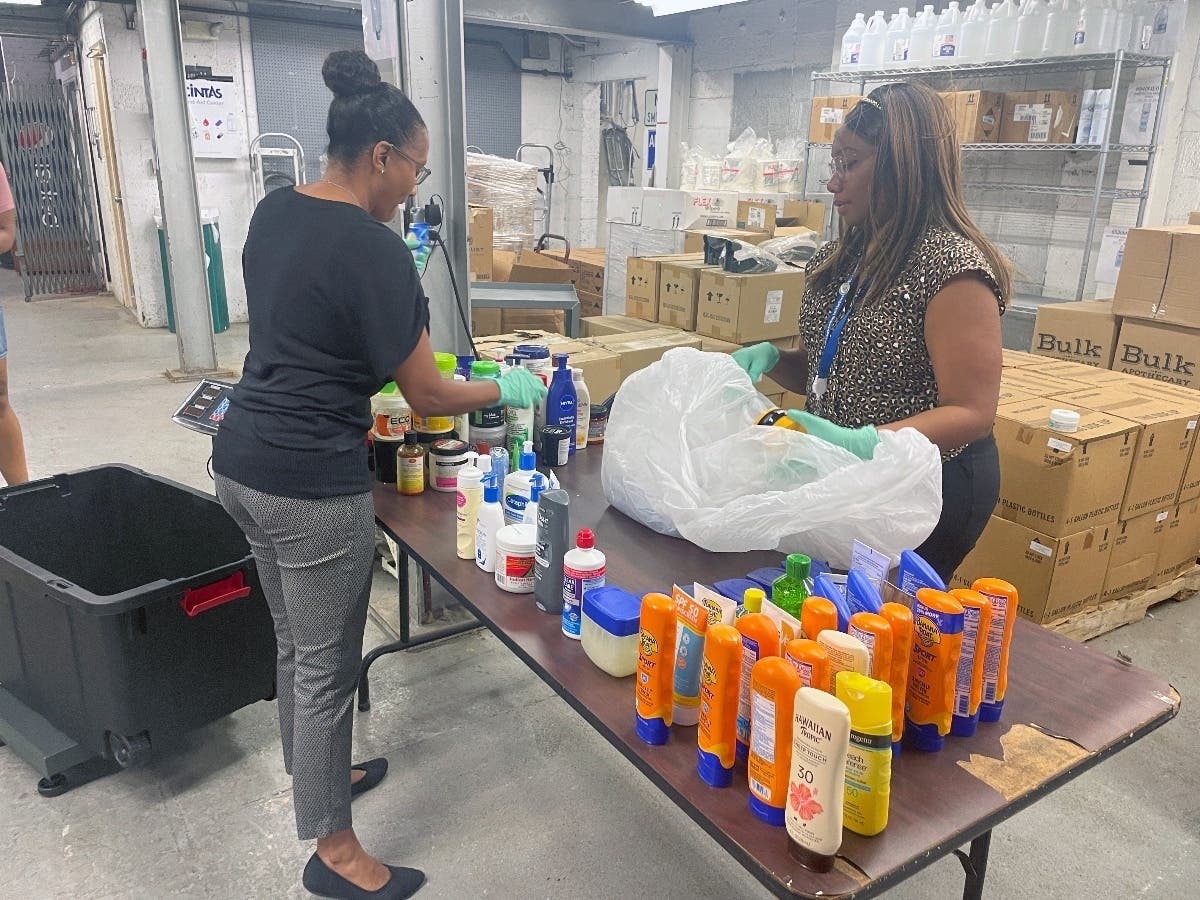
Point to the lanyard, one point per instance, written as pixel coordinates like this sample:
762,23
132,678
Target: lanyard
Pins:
833,333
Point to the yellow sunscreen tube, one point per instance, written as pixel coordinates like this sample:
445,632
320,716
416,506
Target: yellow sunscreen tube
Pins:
900,618
875,632
869,759
773,687
933,668
1004,600
968,685
720,677
655,668
760,638
816,615
810,661
692,622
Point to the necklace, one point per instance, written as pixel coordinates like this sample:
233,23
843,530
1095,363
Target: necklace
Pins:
345,189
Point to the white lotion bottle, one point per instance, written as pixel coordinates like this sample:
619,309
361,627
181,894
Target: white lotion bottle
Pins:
489,521
817,783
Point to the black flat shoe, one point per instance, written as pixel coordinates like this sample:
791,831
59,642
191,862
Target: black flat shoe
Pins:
321,880
375,769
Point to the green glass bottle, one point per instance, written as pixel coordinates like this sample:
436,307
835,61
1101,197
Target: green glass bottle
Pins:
790,590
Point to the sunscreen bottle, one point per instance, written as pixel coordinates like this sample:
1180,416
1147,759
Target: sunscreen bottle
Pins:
846,654
933,668
861,593
760,638
915,573
816,788
869,760
773,687
810,661
875,632
1004,600
824,586
968,683
752,600
655,668
720,678
899,617
691,622
816,615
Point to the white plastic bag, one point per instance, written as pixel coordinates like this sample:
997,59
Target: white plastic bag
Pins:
683,456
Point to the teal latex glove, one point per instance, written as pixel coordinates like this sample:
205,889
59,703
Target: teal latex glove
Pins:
520,387
859,441
758,360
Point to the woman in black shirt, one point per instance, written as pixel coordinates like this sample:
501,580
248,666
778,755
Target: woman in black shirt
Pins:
336,311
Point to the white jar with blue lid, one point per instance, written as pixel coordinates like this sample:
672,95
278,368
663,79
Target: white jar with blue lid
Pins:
609,629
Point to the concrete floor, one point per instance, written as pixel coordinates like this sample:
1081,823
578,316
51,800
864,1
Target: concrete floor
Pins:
497,787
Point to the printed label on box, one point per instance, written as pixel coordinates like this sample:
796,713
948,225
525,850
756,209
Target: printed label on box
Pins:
1056,444
1162,516
756,217
1039,125
774,307
1041,549
831,115
1021,112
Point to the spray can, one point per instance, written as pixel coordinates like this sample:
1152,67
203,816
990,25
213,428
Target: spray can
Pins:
553,535
583,569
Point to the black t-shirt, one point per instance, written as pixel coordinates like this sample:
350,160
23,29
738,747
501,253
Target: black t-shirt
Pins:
335,305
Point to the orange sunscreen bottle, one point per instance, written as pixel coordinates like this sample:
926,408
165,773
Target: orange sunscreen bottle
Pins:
874,631
933,668
773,687
816,615
968,685
720,677
899,617
810,661
995,665
760,638
655,668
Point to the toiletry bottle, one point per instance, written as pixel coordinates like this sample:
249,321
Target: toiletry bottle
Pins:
811,662
760,639
861,593
773,687
915,574
968,683
720,676
816,788
691,625
469,499
583,570
1004,600
869,759
410,466
824,586
875,632
518,486
791,589
553,542
900,618
846,654
537,484
583,409
817,615
488,523
655,679
561,401
933,669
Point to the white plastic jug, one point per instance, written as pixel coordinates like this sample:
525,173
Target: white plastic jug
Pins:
1122,36
1031,30
973,34
946,35
873,41
1002,32
1061,16
1095,24
899,34
852,44
920,45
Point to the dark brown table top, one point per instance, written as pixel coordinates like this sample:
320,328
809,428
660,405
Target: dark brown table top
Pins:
1068,706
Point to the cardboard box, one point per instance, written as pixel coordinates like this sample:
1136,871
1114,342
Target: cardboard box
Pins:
1014,395
1079,332
528,267
745,308
671,210
1060,483
1055,576
1031,381
1068,370
766,385
763,214
1159,275
642,348
587,267
1019,359
1040,117
597,326
1188,399
480,227
792,400
641,284
624,205
1165,439
678,288
828,114
552,320
977,115
1194,217
485,322
1134,559
1177,554
1164,353
693,241
601,369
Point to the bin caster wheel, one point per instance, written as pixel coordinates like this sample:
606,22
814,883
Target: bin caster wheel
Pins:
53,786
129,751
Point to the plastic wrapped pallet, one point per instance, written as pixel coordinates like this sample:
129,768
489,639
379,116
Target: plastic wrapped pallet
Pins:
510,188
625,241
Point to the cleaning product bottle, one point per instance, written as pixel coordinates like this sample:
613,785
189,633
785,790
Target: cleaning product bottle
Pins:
537,484
900,618
469,499
816,789
852,44
583,409
691,624
655,668
825,586
790,589
1061,17
898,36
583,569
869,759
968,683
518,486
561,401
817,615
553,537
773,687
933,669
876,634
1004,601
914,573
1031,30
760,639
410,466
972,40
846,654
489,521
874,40
946,38
1002,32
719,679
920,43
861,593
810,661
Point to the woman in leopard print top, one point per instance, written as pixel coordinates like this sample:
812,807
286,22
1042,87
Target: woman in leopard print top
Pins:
900,325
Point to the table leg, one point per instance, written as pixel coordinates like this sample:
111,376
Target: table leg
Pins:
974,864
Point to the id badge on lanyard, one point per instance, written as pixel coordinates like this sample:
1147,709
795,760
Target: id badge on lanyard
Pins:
833,337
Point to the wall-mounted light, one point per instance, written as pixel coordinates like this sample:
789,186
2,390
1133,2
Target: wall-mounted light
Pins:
672,7
194,30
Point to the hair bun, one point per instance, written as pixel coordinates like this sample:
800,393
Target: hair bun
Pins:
349,73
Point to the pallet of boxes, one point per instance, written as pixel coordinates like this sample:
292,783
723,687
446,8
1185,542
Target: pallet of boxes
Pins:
1099,513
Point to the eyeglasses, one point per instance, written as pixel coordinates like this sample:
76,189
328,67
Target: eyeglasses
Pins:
422,171
838,167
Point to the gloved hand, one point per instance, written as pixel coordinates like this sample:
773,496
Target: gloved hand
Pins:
520,387
859,441
758,360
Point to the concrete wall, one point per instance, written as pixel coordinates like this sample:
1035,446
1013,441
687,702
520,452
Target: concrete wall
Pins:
24,60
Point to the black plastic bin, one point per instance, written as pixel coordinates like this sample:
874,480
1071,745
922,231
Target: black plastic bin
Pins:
130,609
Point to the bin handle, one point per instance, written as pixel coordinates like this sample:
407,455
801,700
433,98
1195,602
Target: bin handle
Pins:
199,600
